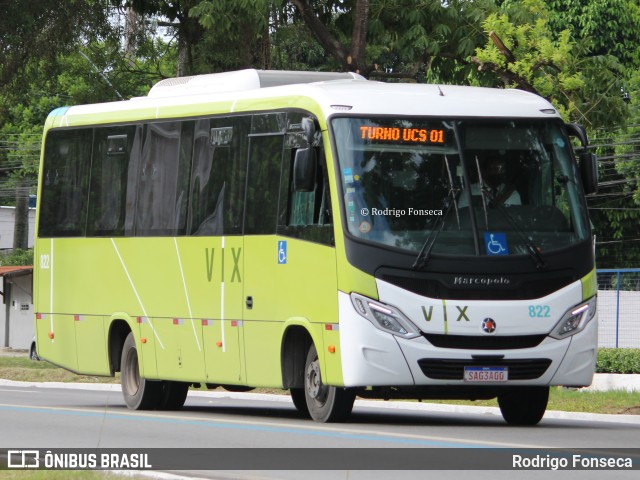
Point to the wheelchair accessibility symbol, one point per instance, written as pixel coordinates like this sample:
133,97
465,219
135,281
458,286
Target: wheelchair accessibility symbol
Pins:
282,252
496,243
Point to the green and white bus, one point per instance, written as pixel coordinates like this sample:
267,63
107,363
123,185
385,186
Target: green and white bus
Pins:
320,233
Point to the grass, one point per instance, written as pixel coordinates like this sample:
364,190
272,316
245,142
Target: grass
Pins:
563,399
24,370
570,400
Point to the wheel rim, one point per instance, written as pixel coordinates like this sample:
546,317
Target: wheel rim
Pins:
316,390
131,374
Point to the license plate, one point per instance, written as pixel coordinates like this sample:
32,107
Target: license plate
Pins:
486,374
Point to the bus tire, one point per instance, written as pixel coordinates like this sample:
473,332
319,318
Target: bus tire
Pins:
300,401
524,405
173,395
139,393
325,403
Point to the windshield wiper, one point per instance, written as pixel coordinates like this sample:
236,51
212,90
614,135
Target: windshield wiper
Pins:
453,192
428,244
482,193
425,251
531,247
494,202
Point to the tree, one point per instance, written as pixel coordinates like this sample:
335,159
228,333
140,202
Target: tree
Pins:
611,27
82,64
42,30
187,30
525,52
351,57
399,39
236,34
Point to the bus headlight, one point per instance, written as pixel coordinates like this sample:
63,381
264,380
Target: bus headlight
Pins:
384,317
575,320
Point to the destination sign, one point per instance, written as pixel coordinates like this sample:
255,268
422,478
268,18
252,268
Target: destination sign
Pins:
403,135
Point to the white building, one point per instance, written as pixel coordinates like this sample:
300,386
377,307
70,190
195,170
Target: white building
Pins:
16,314
7,222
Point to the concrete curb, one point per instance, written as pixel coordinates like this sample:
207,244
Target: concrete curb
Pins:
615,381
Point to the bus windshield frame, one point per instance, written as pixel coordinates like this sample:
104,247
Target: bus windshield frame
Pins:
460,186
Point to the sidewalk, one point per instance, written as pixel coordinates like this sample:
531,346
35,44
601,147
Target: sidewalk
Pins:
11,352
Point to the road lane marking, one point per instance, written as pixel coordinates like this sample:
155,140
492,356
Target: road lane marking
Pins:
19,390
315,430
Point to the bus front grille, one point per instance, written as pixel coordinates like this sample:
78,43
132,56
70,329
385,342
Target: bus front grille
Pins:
452,369
475,342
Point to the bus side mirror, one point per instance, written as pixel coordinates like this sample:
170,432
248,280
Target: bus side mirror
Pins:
304,170
578,131
587,161
589,172
309,129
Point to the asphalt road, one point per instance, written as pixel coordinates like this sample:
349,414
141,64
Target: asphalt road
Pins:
94,416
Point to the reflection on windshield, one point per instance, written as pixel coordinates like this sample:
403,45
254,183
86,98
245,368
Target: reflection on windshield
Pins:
512,190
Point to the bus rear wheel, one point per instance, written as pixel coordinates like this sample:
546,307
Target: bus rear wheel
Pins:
325,403
139,393
524,405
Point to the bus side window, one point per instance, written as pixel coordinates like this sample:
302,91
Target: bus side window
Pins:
218,176
65,185
116,150
306,215
311,208
164,179
263,170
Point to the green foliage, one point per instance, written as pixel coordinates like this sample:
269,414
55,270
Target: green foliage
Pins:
235,36
583,87
40,31
611,27
224,14
294,48
17,258
626,149
430,39
618,360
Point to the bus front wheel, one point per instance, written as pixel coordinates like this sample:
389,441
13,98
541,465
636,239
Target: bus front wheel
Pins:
325,403
299,399
173,395
139,393
523,405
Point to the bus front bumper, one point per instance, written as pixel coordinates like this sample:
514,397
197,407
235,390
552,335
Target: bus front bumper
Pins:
371,357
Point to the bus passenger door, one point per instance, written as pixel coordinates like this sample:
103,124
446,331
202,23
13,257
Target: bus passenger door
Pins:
261,329
216,212
221,326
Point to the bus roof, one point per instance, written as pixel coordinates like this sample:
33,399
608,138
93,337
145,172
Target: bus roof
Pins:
328,93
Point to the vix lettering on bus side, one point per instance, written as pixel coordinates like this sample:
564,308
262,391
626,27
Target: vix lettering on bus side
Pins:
461,311
210,261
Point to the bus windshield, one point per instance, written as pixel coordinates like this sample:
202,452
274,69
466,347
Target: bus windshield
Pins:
460,186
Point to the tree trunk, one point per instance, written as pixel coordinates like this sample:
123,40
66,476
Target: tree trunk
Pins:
320,31
132,32
359,38
21,227
184,65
